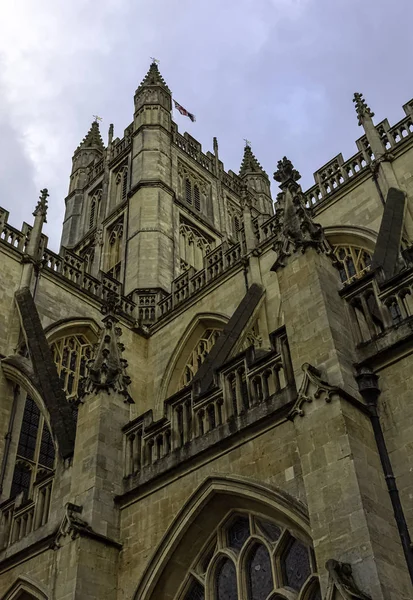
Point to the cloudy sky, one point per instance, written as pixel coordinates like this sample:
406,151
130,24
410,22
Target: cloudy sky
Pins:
281,73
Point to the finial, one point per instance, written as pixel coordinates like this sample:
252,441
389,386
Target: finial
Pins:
96,119
107,369
110,134
155,60
362,109
41,207
285,173
247,143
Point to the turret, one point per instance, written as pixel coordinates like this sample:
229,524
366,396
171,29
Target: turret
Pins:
89,151
151,260
257,181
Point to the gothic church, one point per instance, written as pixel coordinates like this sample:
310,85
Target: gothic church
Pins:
207,394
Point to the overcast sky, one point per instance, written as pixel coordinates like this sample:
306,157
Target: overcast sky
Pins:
281,73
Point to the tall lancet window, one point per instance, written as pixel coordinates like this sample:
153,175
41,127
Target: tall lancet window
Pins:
114,249
94,208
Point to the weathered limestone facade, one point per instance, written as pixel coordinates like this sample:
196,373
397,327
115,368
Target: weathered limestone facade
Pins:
206,394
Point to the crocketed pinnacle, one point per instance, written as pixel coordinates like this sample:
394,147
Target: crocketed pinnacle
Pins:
107,369
362,109
153,77
41,208
93,139
250,164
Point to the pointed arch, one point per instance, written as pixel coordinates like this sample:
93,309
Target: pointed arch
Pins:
25,589
193,332
201,514
354,235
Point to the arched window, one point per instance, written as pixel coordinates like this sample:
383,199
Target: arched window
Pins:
92,213
35,452
252,558
197,198
71,354
198,355
188,190
114,249
354,261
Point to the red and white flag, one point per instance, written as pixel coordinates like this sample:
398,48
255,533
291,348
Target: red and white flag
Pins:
183,111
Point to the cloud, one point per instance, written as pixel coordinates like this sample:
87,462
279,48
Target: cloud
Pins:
280,72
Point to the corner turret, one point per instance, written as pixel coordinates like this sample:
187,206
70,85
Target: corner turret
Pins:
257,181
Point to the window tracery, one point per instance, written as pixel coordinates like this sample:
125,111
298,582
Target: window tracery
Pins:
114,252
354,261
198,355
193,189
94,208
235,219
35,452
121,180
70,355
253,559
193,246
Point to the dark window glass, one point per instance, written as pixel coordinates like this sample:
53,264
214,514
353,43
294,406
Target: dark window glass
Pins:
343,274
350,266
28,432
238,532
260,583
188,191
47,452
296,565
124,184
270,530
316,595
226,581
21,480
197,198
196,592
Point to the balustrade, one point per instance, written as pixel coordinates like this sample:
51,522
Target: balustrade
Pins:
19,521
239,388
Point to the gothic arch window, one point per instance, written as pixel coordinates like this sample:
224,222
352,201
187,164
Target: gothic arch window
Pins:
197,198
198,354
114,249
354,261
193,246
121,187
94,209
35,451
250,557
71,354
188,190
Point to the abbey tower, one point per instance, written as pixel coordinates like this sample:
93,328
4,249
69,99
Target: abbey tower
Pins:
206,395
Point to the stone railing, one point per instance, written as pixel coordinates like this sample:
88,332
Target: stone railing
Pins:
17,521
337,171
193,148
72,267
376,308
241,385
216,262
123,144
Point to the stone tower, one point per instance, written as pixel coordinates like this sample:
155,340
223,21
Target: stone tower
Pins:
206,394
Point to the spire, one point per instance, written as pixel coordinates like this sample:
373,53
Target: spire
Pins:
93,139
296,228
107,370
153,77
362,109
249,163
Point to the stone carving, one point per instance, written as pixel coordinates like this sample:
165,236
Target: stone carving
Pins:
71,525
41,207
362,109
107,370
312,388
297,229
341,581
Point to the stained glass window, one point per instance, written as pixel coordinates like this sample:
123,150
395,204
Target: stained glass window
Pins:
238,532
296,565
226,581
35,451
271,531
260,573
260,581
196,592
